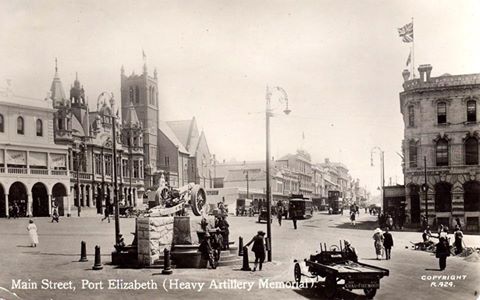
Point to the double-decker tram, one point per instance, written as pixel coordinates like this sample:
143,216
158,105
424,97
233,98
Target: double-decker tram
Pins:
300,207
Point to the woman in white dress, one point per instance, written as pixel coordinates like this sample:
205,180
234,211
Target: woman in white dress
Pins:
32,232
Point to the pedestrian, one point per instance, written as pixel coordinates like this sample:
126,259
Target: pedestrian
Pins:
259,249
32,232
280,214
389,222
107,213
442,252
293,215
225,232
350,252
352,217
387,243
457,220
16,210
55,217
426,234
458,240
10,211
378,242
294,220
206,250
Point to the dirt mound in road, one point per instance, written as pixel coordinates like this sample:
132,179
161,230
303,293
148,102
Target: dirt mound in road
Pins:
471,255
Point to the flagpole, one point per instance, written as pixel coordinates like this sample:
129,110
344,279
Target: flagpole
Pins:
413,50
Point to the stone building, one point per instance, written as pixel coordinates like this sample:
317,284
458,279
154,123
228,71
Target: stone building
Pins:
175,149
442,126
89,138
300,164
33,170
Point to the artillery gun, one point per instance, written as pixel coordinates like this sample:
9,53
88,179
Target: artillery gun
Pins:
173,200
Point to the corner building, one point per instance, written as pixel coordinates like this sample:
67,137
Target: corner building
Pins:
442,125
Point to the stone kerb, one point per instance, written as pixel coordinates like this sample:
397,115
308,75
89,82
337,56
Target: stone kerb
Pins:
154,234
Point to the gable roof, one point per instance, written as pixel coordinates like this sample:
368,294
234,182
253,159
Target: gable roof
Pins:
168,132
182,130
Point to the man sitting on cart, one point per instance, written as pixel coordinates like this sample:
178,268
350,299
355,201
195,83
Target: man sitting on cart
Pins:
349,252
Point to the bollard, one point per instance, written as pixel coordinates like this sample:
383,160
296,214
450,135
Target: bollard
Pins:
83,252
167,270
240,246
245,266
98,260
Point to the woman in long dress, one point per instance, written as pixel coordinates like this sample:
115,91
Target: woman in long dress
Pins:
32,232
378,242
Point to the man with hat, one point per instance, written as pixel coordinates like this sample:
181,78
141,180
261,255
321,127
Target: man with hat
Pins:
349,251
259,249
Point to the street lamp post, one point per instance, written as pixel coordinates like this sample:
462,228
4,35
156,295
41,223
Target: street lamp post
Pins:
114,158
77,192
382,170
268,114
425,189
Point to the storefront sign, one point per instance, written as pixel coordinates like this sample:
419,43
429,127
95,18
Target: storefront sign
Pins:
16,157
57,160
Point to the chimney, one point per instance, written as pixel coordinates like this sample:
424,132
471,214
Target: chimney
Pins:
425,71
406,74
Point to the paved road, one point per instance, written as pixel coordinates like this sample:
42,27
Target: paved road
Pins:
56,260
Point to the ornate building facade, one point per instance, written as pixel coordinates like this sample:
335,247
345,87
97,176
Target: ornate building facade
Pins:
33,170
89,138
442,131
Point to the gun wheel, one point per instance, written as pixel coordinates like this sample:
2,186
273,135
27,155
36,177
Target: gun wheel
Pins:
198,200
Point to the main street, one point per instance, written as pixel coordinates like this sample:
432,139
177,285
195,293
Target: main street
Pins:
55,260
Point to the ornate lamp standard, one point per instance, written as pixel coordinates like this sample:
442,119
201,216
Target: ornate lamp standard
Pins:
114,158
268,114
382,170
425,189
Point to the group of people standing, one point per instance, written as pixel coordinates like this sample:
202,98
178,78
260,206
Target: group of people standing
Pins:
383,241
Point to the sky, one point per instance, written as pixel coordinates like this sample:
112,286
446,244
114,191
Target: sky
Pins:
340,62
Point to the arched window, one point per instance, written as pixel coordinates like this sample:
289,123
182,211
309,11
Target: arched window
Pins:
137,95
20,126
443,197
442,113
131,95
2,128
39,127
471,197
412,154
471,111
442,152
150,95
411,116
471,151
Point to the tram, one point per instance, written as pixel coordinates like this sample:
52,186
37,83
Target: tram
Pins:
300,207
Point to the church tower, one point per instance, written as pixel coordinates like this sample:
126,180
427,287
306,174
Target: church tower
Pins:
80,105
141,92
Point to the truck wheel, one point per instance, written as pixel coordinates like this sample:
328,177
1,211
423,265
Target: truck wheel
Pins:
330,286
370,293
297,273
198,199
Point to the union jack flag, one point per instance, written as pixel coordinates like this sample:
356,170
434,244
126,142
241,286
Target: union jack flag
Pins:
406,33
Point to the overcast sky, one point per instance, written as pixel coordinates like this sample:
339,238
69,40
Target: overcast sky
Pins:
339,61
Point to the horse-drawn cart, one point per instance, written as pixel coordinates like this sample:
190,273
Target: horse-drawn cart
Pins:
335,267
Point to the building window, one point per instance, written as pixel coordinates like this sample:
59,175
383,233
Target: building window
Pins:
98,164
471,151
136,169
20,126
411,116
412,154
131,95
108,165
471,196
442,113
137,95
442,152
39,127
167,161
443,197
60,124
471,111
1,123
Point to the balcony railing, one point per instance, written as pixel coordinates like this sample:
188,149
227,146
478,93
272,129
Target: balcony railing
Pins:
59,172
81,175
38,172
17,171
